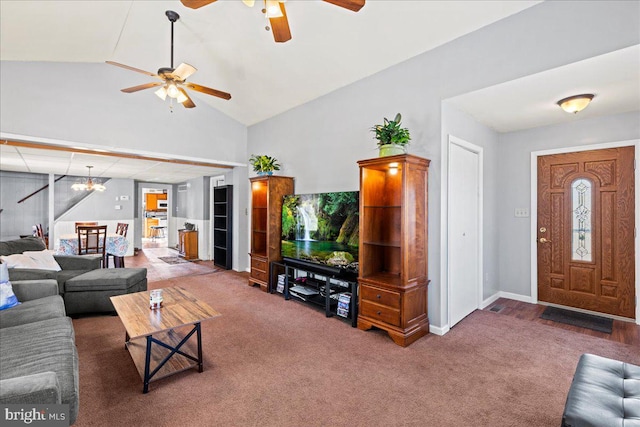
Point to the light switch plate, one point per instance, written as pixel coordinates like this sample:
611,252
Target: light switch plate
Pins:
521,213
118,207
124,197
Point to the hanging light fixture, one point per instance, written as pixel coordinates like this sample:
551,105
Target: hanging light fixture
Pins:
88,184
576,103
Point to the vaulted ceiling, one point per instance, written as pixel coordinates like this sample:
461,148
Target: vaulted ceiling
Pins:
331,48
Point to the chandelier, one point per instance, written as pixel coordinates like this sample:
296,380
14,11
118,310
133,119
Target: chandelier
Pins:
88,184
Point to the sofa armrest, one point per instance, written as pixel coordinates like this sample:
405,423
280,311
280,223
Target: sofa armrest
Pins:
78,262
27,290
16,274
42,388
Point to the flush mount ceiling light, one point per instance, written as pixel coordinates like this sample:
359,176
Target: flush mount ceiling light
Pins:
88,184
576,103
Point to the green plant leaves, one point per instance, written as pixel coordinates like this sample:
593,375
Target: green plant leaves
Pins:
391,132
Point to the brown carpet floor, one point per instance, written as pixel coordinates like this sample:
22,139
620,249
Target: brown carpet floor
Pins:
270,362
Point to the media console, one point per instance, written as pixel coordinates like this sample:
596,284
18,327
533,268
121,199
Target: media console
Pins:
321,285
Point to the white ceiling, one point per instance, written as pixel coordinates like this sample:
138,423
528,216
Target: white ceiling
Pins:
331,48
530,102
226,41
35,160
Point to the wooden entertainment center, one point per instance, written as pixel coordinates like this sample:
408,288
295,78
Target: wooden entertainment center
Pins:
392,276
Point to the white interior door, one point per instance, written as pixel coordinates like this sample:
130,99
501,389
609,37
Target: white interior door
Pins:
464,231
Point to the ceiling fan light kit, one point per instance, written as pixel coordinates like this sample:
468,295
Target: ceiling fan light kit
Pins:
275,12
173,79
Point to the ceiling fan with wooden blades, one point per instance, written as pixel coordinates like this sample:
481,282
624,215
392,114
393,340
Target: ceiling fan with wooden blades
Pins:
274,10
172,80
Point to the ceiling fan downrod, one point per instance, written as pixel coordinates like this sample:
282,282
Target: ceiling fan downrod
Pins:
173,17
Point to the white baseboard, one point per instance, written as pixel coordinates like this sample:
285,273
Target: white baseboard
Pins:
517,297
439,330
486,303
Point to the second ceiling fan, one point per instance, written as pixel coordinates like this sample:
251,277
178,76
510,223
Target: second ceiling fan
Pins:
274,10
172,80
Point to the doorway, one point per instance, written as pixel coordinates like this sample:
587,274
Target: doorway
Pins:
464,234
585,232
155,218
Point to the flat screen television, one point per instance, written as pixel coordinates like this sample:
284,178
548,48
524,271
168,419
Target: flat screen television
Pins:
322,229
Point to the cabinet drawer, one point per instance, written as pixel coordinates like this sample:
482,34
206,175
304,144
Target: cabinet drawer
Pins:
259,275
259,264
380,296
380,312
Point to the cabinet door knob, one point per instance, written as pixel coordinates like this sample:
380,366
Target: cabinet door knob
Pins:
378,296
379,313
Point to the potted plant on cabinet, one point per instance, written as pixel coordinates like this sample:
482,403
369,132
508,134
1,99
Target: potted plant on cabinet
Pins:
263,164
392,138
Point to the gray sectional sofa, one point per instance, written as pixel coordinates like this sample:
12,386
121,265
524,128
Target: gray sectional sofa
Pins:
83,285
38,356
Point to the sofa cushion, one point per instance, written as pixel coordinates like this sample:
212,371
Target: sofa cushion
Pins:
18,246
43,346
106,279
33,311
30,274
63,276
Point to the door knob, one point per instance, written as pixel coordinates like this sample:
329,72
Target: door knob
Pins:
543,240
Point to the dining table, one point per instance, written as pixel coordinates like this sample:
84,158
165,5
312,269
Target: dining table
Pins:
117,244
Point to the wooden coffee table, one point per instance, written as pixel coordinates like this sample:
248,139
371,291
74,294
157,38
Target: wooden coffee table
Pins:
179,309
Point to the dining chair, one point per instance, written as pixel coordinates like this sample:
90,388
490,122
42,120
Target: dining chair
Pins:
85,224
93,240
40,233
118,261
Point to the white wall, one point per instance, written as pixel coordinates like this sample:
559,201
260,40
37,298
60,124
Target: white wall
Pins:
67,105
320,142
463,126
514,177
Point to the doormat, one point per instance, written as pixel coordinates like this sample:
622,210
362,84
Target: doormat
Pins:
582,320
173,260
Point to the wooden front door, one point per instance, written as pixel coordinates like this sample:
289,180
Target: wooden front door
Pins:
586,217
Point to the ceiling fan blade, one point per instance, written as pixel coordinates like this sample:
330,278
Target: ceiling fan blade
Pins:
188,103
137,70
249,3
196,4
183,71
280,26
354,5
142,87
208,90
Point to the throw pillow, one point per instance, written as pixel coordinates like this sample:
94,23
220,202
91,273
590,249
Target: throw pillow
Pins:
44,259
7,297
18,261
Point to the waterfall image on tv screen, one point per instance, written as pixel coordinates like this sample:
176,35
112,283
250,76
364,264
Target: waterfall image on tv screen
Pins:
322,228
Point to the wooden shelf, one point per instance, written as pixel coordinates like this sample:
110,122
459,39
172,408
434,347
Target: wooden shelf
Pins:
393,247
138,348
266,225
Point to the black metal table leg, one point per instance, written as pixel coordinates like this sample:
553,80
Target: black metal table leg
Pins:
147,362
327,297
199,338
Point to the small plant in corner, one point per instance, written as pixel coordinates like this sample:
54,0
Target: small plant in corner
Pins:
391,133
263,164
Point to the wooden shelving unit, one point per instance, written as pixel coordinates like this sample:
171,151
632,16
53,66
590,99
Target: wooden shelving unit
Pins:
222,226
266,218
393,246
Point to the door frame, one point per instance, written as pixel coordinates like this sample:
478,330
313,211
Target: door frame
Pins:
534,213
452,140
